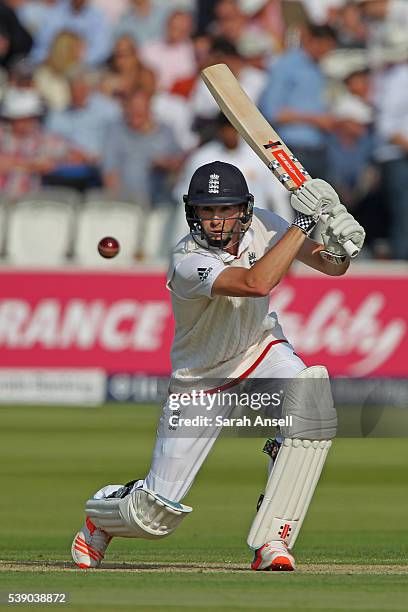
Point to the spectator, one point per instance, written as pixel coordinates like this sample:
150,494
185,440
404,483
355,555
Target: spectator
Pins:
359,83
350,28
175,112
33,14
82,18
294,98
388,12
84,124
318,11
382,16
127,72
257,49
204,108
173,58
392,152
145,21
27,151
266,17
205,15
231,148
113,10
21,75
352,170
15,40
230,22
50,77
139,153
351,147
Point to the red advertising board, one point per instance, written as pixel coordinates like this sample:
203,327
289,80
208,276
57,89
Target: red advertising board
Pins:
122,322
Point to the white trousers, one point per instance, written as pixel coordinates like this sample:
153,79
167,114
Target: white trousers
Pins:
177,460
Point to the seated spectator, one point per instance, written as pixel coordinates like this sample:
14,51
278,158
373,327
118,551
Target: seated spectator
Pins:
172,58
145,20
15,40
139,153
253,80
229,147
84,124
21,75
127,72
51,77
113,10
381,17
27,151
359,83
392,128
351,167
294,100
205,15
230,22
202,44
265,18
350,27
319,11
34,13
350,147
82,18
175,112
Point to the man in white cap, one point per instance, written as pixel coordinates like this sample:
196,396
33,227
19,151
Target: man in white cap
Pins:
392,128
27,152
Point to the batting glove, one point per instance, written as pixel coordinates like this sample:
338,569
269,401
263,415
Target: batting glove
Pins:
340,227
313,199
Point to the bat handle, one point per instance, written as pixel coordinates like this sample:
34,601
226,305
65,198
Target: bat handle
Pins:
350,248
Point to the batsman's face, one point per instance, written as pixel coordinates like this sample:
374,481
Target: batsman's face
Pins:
220,223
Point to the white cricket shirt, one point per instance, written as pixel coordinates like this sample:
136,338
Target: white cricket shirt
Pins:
219,336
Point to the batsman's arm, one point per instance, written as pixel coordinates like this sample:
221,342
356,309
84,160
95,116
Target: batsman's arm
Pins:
309,254
266,273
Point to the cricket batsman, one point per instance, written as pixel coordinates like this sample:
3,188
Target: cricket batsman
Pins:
220,277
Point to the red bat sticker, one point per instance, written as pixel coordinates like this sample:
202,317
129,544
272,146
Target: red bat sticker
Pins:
290,167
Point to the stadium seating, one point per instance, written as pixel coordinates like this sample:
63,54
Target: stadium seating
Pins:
158,234
40,228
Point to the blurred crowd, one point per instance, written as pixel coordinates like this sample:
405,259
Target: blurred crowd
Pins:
107,94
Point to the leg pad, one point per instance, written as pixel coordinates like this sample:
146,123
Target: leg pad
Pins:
141,514
288,492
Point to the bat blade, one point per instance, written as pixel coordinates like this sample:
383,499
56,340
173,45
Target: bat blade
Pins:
253,127
247,119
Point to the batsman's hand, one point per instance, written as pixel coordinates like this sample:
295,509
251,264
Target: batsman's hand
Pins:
315,198
340,227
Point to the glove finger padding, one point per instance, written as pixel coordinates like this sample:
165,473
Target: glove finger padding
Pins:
337,210
339,228
314,198
345,227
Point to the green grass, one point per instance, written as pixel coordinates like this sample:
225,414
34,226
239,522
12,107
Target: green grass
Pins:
52,459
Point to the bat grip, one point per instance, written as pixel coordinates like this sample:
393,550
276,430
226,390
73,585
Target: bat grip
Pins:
350,248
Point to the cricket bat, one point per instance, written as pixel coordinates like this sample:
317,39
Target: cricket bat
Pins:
258,133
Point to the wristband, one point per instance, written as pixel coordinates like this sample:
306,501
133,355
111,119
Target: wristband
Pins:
305,222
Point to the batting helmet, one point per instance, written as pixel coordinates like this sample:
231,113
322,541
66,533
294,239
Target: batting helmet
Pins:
217,184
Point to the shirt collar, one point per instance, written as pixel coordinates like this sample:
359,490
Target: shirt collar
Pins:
243,246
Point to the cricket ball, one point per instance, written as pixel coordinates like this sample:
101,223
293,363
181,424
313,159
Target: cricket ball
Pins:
108,247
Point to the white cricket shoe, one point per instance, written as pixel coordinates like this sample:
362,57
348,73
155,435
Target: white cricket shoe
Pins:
274,557
89,546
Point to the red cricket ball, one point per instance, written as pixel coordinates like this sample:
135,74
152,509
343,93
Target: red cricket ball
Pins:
108,247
